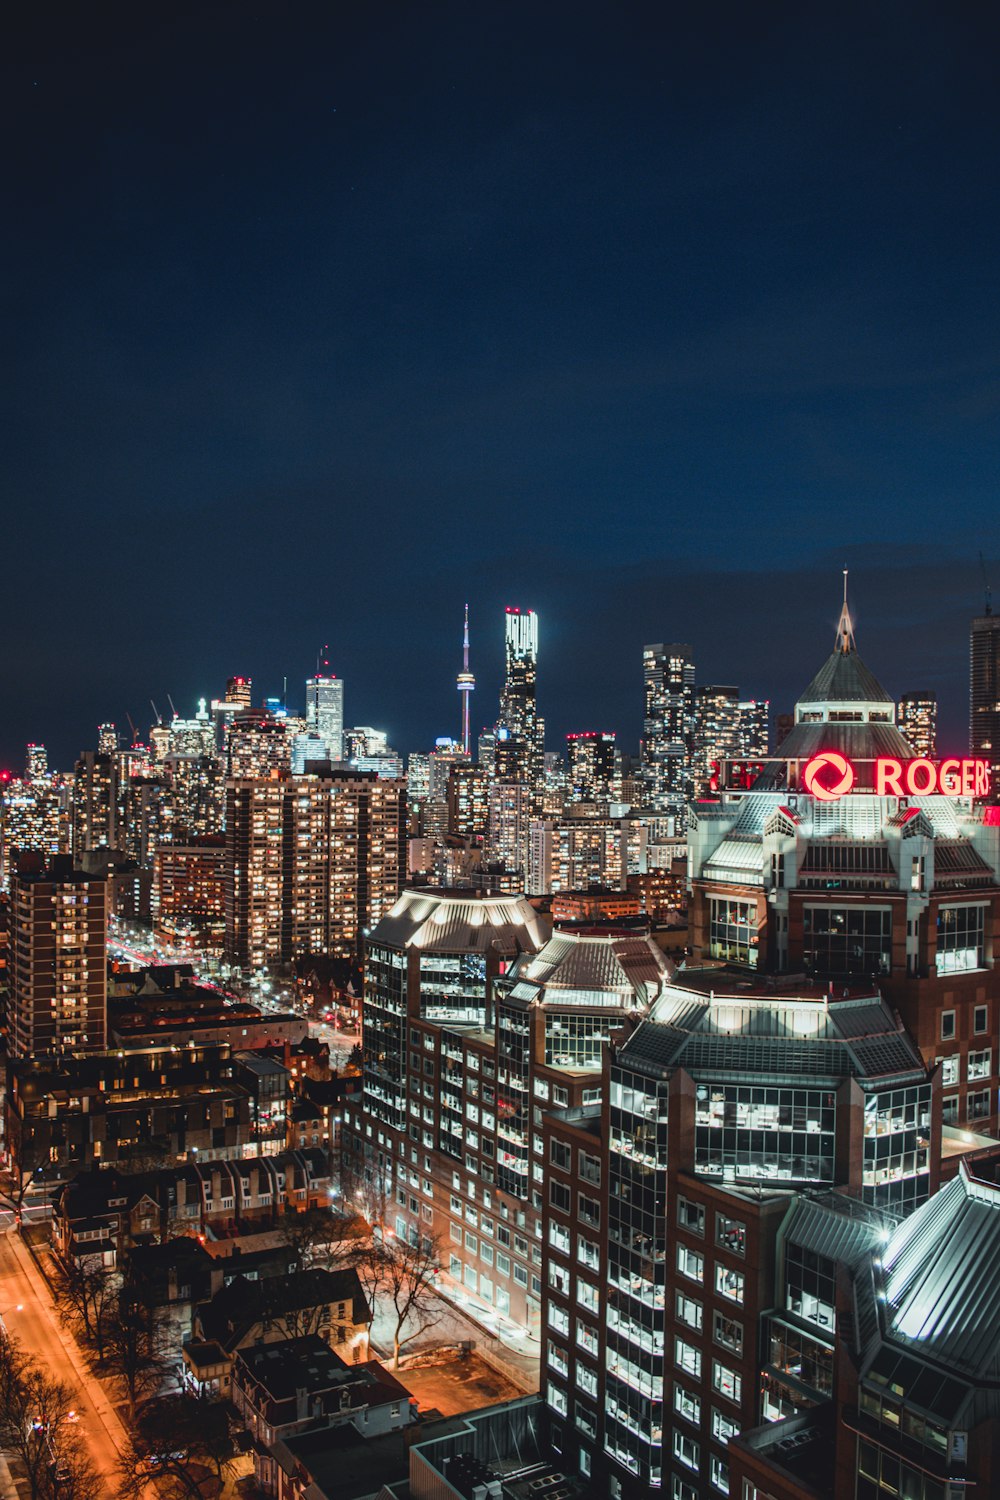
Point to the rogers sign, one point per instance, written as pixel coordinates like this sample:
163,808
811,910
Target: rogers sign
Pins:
830,776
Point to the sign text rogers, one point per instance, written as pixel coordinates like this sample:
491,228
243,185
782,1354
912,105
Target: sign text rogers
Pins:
830,776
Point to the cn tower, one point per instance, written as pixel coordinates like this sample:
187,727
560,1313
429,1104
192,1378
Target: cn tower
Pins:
466,684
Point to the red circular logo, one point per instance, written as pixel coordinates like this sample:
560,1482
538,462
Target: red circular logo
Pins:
828,776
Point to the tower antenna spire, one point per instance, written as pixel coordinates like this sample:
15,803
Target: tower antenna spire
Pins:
466,684
986,586
845,628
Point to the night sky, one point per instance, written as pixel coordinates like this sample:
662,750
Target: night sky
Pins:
319,320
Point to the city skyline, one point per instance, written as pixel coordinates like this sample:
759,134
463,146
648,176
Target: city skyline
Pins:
416,711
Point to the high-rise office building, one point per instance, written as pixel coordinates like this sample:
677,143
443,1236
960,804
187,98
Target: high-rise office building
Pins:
193,736
468,801
591,756
716,731
58,971
95,801
917,720
668,728
984,689
36,765
754,730
511,805
325,713
519,717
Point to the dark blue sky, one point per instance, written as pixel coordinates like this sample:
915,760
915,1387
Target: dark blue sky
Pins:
320,319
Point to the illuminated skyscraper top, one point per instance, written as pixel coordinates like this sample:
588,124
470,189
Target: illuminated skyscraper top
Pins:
525,731
325,707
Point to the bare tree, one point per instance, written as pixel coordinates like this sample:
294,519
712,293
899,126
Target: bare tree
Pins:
178,1439
134,1344
85,1296
320,1237
403,1275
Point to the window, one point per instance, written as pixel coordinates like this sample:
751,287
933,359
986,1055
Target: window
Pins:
556,1399
981,1019
455,1232
949,1111
486,1254
558,1319
732,931
730,1234
686,1405
977,1106
729,1284
980,1064
723,1428
689,1311
690,1216
586,1295
686,1450
471,1243
719,1472
503,1263
559,1237
560,1155
949,1071
559,1196
960,938
690,1263
727,1332
947,1025
726,1381
687,1357
586,1379
847,939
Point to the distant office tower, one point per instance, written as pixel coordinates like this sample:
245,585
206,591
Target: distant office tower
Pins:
36,764
668,728
193,736
984,689
486,750
518,702
466,686
107,739
311,863
917,720
418,786
510,810
716,731
325,712
257,744
197,788
239,691
58,972
468,801
591,755
95,798
754,728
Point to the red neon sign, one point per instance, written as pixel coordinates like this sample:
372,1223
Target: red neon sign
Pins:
830,776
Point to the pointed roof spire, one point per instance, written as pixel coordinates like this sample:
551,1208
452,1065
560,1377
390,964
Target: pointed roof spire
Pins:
845,629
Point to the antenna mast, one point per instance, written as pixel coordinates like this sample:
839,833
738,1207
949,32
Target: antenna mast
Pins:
466,685
986,586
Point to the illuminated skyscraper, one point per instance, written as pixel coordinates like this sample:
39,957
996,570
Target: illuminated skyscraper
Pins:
917,719
668,728
325,711
525,730
591,755
984,688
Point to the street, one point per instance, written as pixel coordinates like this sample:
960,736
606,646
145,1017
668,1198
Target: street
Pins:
29,1317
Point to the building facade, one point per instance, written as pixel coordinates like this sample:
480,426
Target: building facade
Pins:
668,729
58,997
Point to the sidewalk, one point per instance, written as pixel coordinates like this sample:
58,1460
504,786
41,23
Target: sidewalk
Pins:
89,1384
